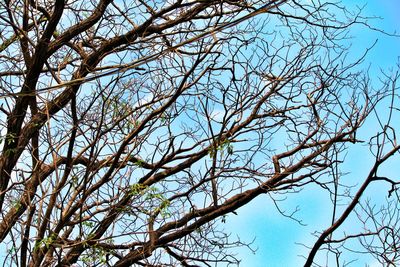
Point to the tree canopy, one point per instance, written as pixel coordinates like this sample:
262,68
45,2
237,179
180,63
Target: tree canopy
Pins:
132,129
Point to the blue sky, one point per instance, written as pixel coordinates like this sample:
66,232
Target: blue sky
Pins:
276,236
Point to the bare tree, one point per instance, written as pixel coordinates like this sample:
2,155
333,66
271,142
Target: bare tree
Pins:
381,230
129,127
